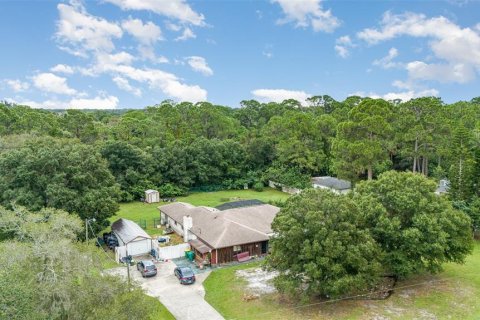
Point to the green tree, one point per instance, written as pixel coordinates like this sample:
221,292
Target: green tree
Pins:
61,174
322,247
462,171
363,141
298,142
80,125
54,276
416,229
418,128
131,167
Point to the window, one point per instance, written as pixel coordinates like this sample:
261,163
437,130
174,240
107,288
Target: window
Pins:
237,248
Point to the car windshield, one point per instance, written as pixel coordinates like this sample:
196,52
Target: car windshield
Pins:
150,267
187,272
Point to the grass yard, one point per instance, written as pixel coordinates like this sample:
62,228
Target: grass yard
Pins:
453,294
161,312
137,211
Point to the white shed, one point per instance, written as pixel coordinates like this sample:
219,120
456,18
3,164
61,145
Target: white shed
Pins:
152,196
134,238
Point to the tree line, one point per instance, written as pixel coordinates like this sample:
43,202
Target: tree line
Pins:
87,161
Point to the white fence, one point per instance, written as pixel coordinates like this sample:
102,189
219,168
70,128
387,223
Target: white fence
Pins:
286,189
172,252
163,253
120,252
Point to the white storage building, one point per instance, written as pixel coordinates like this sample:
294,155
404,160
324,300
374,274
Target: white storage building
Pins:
152,196
135,239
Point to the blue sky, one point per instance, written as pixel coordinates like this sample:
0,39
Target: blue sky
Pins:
135,53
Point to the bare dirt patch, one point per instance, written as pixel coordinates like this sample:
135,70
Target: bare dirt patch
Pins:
258,281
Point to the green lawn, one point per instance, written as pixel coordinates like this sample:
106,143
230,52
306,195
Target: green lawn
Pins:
161,312
453,294
140,211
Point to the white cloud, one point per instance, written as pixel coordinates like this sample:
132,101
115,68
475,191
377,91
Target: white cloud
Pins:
411,94
147,52
308,13
107,102
121,58
199,64
457,48
267,54
62,68
48,82
168,83
17,85
173,27
123,84
402,95
459,72
187,34
279,95
147,33
79,31
387,61
342,46
176,9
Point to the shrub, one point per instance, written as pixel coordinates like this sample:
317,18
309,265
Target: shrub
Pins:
258,186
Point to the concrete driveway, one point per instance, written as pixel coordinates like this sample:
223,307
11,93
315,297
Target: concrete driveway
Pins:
185,302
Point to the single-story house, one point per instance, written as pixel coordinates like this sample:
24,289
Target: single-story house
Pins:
218,236
331,183
443,186
152,196
134,238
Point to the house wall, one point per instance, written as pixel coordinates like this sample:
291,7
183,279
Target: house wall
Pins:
226,255
316,186
178,228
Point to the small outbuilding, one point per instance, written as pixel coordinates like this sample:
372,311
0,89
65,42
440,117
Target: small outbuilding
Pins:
152,196
331,183
443,186
135,239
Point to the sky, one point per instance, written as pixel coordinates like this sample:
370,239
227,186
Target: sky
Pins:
112,54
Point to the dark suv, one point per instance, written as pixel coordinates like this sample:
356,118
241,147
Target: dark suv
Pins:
147,268
185,275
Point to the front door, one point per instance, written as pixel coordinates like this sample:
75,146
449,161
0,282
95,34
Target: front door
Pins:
264,247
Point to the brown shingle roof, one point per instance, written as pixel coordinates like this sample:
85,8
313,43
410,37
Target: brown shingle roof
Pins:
226,228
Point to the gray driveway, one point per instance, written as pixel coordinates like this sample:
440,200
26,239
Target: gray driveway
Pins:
185,302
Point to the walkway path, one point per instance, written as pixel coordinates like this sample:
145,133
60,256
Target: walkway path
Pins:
185,302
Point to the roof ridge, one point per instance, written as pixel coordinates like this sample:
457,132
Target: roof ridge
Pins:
242,225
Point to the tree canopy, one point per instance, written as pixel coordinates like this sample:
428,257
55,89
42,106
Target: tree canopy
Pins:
46,274
331,244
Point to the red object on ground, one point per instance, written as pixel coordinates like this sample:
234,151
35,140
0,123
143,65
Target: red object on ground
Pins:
243,256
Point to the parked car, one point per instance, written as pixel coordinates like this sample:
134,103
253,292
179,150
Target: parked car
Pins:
147,268
185,275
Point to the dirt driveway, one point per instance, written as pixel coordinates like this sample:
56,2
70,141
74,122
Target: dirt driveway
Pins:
185,302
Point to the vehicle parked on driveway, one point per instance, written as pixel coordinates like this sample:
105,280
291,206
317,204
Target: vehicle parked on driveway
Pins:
147,268
185,275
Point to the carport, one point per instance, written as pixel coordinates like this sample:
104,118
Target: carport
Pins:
129,234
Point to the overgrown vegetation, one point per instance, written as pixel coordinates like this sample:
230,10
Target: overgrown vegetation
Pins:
330,245
46,274
176,147
451,294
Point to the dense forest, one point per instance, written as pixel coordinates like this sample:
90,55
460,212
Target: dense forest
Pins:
87,161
